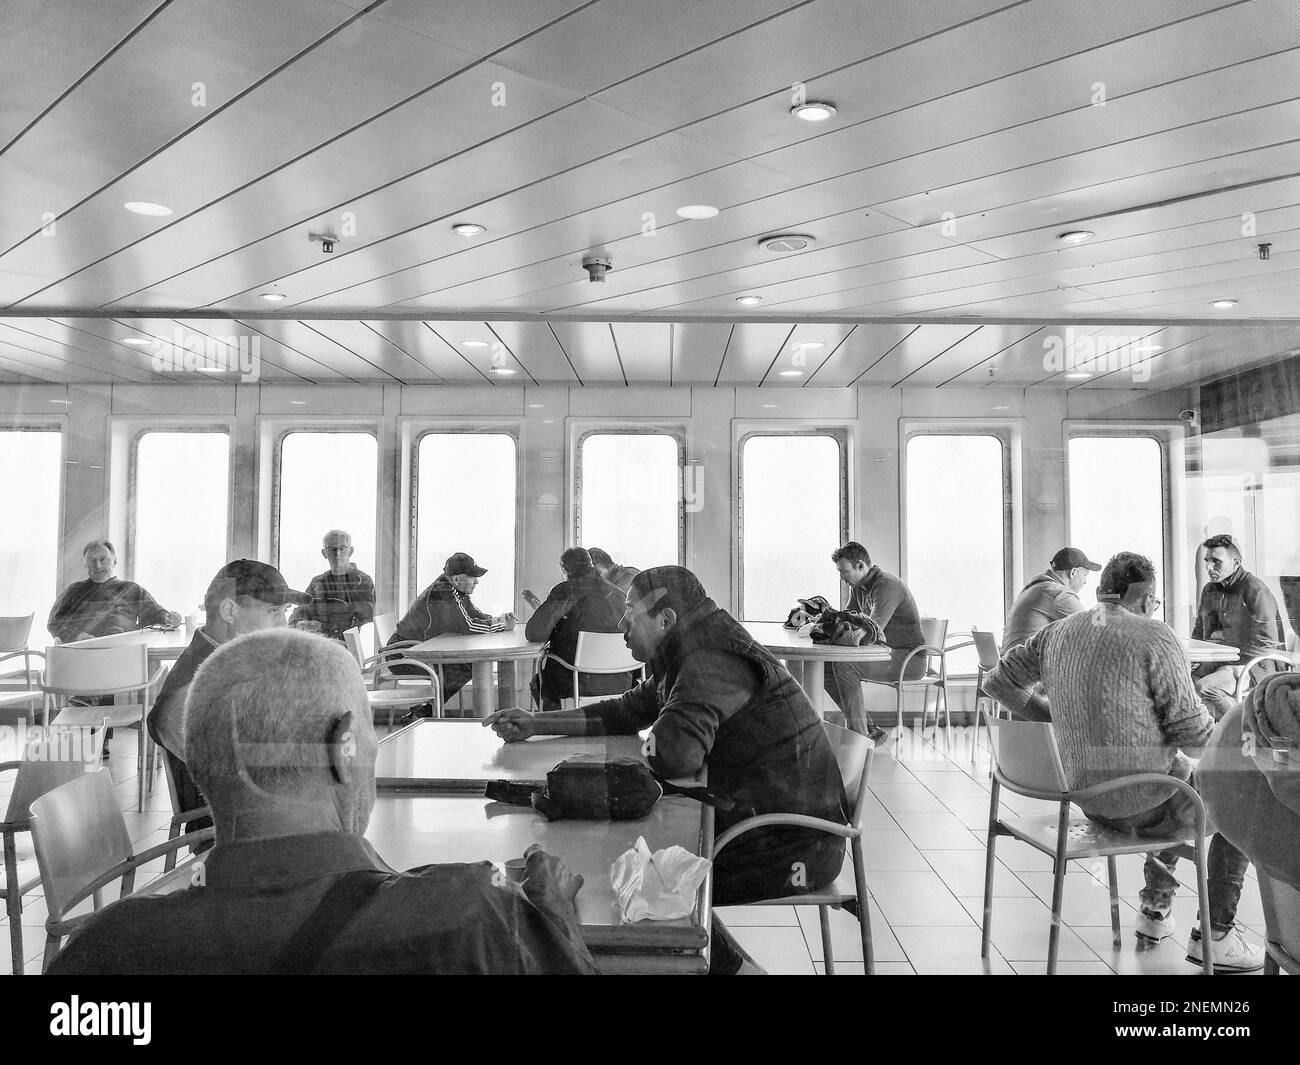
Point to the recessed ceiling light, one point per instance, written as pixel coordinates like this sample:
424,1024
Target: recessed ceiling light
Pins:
1002,407
473,343
1223,304
1077,376
297,403
468,229
536,406
60,401
749,301
1075,236
791,373
697,211
153,210
139,342
500,371
785,243
769,406
272,297
808,345
813,111
211,369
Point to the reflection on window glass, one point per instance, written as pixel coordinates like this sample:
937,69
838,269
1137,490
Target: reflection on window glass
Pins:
179,539
327,481
631,492
956,534
30,475
466,502
790,522
1116,500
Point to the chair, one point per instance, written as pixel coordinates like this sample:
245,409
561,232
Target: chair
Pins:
1243,673
935,678
172,769
596,652
390,691
82,846
853,755
1281,903
14,633
1027,761
98,671
386,629
49,761
986,647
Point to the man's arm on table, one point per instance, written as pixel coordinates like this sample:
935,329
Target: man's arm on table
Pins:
1017,671
625,715
306,611
710,687
888,595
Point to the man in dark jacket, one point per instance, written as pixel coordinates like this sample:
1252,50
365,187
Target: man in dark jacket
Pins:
582,602
1048,597
1236,608
104,604
619,576
716,698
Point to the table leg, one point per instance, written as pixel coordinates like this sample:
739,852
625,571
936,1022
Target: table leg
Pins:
484,692
814,684
507,690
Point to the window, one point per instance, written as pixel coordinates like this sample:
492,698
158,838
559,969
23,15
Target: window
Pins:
956,536
180,488
466,501
630,497
792,516
1117,499
30,477
327,481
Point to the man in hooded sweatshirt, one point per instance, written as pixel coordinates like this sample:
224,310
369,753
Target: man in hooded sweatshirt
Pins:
1048,597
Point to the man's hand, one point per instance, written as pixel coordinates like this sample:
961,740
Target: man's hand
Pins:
550,885
174,619
512,725
508,621
307,626
82,636
531,599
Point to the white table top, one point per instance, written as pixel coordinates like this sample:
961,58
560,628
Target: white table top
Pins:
164,644
787,643
1205,651
479,647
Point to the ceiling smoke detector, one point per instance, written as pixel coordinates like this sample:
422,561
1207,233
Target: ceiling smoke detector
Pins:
786,243
597,266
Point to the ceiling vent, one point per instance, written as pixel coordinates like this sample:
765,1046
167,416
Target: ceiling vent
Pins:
786,243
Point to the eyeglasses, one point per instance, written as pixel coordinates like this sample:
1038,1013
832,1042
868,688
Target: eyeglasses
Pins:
1154,601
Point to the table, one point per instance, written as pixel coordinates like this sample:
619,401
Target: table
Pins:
165,645
1205,651
807,660
480,651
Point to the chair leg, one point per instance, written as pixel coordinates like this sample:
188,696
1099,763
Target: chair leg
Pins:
1203,890
1112,883
828,956
13,904
1058,887
990,854
52,943
1270,965
169,863
864,908
16,940
139,764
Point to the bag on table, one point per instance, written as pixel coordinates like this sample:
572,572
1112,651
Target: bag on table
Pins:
805,611
846,628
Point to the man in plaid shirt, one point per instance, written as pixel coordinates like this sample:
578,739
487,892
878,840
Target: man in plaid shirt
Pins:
342,596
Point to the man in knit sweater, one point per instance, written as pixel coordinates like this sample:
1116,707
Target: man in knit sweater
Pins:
1118,690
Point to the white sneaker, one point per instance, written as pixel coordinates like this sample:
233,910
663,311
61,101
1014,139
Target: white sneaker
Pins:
1229,952
1153,927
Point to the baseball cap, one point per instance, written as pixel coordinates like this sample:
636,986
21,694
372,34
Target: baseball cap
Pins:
1070,557
246,576
463,563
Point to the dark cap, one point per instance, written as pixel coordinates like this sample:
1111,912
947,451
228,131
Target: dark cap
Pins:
246,576
1070,557
462,563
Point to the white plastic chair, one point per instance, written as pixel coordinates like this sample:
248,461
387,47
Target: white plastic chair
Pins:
986,647
853,755
1027,761
389,691
14,634
1243,672
935,678
596,652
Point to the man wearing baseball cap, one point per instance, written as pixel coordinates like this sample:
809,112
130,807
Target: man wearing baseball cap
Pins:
1048,597
445,608
244,596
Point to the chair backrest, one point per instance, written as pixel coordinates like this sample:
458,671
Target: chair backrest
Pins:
853,756
70,670
935,633
385,627
352,641
14,632
986,647
1026,757
603,652
49,758
1284,664
79,835
1281,904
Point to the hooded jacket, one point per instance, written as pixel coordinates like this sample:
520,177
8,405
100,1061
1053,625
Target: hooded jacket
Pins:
1045,599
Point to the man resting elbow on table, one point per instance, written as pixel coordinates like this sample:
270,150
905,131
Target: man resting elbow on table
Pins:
714,698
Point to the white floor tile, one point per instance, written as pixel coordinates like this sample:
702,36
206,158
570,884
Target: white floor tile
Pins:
781,951
916,898
846,939
1020,931
962,871
948,951
758,916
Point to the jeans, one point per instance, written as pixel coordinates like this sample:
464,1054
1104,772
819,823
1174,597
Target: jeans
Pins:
844,684
1174,819
1217,690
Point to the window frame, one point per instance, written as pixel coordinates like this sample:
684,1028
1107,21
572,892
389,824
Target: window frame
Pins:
56,424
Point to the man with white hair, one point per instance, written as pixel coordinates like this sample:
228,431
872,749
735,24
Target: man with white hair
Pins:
278,737
341,597
103,603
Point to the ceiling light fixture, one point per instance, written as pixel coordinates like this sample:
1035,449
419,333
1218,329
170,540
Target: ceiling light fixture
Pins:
786,243
1002,406
474,344
769,406
468,229
791,373
1077,376
1223,305
500,371
813,111
808,345
297,403
139,342
536,406
144,207
749,301
272,297
697,211
1075,236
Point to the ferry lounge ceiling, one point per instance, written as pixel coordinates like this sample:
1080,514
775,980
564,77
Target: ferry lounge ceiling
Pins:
968,136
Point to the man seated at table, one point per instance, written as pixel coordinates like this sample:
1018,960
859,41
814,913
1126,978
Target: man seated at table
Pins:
280,741
103,604
341,597
445,609
1119,695
582,602
1237,609
244,596
888,602
619,576
714,698
1048,597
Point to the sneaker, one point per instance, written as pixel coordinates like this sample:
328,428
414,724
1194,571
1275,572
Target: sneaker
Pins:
1230,952
877,735
1154,927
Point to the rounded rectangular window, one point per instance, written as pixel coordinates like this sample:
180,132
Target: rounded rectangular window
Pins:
178,531
30,478
791,519
466,501
630,497
327,481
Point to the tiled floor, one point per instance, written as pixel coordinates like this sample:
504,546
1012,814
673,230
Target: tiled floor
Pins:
925,871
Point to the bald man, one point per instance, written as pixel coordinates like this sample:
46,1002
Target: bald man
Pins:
341,597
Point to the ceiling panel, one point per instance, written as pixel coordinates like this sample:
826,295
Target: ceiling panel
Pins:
698,349
590,348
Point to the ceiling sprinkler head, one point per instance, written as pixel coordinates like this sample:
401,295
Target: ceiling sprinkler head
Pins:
1264,250
597,266
326,241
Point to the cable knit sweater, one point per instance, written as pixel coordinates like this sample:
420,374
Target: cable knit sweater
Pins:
1120,695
